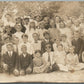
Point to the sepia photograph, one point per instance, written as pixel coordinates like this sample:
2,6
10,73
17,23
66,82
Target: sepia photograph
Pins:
42,41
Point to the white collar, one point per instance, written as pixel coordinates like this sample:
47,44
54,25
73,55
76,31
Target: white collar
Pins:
24,55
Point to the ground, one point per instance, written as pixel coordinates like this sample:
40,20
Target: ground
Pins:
77,76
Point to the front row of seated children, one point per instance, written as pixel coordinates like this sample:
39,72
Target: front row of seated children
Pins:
47,62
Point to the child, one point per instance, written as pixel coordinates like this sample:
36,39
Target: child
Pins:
48,56
65,42
25,61
26,22
7,31
76,25
60,58
6,41
10,61
18,33
37,43
57,21
46,40
32,29
19,20
39,65
78,43
30,49
54,32
41,30
73,61
15,42
56,43
69,30
62,27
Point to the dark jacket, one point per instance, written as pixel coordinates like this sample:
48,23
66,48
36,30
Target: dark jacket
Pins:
12,61
26,61
78,47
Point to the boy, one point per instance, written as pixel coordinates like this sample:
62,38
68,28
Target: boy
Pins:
46,40
18,32
37,43
26,64
25,42
6,41
10,61
48,57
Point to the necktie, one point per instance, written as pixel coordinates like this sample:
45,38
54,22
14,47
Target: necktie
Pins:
10,54
49,58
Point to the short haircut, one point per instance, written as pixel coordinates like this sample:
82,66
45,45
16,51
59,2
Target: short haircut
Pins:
35,34
45,33
38,51
9,45
47,44
16,25
25,35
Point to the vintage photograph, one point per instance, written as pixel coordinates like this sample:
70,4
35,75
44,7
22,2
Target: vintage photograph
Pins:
42,41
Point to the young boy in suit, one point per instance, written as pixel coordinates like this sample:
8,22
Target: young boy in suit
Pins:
37,43
10,61
26,64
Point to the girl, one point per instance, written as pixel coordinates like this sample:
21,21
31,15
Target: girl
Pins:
54,32
65,43
41,30
39,65
60,58
72,60
56,43
69,30
32,29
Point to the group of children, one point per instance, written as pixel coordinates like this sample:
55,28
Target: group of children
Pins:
29,47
